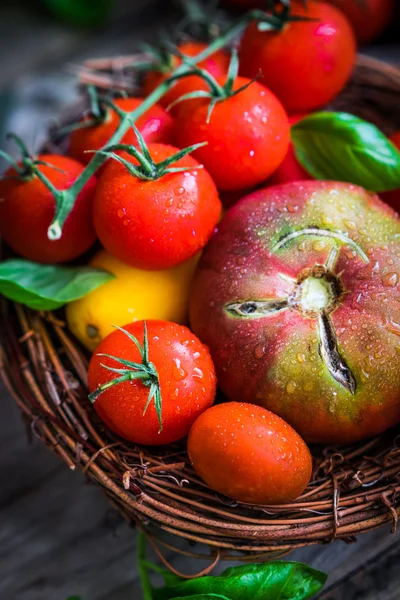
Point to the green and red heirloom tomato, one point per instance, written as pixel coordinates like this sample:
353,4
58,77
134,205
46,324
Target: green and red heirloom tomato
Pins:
393,197
249,454
150,381
156,223
156,125
217,65
306,63
247,135
369,18
297,296
27,208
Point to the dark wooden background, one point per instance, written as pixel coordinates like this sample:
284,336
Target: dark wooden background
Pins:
58,536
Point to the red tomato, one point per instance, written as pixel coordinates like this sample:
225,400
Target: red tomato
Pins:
247,136
155,125
184,372
159,223
217,64
307,63
290,169
393,198
248,453
27,209
369,18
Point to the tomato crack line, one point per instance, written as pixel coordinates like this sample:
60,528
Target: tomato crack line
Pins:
335,364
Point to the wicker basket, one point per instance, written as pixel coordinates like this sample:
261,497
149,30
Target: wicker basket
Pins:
353,489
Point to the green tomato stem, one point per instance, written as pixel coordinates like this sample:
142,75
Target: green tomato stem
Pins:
65,199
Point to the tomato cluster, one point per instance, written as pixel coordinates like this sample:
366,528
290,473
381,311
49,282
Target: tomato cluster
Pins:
219,126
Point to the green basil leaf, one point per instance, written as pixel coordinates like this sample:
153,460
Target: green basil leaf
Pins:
268,581
343,147
47,287
202,597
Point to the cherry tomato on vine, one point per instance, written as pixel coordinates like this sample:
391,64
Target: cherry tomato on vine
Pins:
369,18
165,379
249,454
306,63
393,198
27,209
217,65
156,125
290,169
156,223
247,135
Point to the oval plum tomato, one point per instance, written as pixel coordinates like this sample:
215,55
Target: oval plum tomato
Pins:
217,65
156,125
249,454
297,297
158,402
308,62
393,197
160,223
27,209
369,18
247,135
290,169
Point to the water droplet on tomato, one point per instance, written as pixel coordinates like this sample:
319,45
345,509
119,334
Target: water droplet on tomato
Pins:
390,279
169,202
251,153
291,387
121,212
319,245
179,191
197,373
178,372
259,351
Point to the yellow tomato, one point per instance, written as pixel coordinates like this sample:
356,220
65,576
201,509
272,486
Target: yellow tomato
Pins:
133,295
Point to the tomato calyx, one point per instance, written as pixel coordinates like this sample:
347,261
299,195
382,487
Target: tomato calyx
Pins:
315,293
145,371
217,92
278,17
27,167
148,169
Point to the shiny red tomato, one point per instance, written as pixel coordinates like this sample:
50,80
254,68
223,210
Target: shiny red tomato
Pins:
179,369
307,63
156,125
290,169
249,454
369,18
217,65
27,209
393,198
247,136
159,223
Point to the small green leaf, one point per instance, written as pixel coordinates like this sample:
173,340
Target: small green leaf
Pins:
47,287
74,598
202,597
343,147
268,581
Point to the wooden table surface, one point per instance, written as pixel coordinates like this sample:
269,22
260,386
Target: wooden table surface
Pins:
58,535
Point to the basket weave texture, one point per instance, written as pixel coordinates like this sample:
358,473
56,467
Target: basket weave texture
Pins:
353,489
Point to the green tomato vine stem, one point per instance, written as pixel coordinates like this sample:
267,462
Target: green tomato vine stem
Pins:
65,199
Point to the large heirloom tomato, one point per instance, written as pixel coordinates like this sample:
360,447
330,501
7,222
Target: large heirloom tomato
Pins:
297,297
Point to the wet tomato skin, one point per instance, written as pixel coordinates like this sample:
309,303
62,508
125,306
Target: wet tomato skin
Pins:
249,454
27,210
156,125
217,65
155,224
315,59
247,136
186,375
290,169
393,197
275,359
